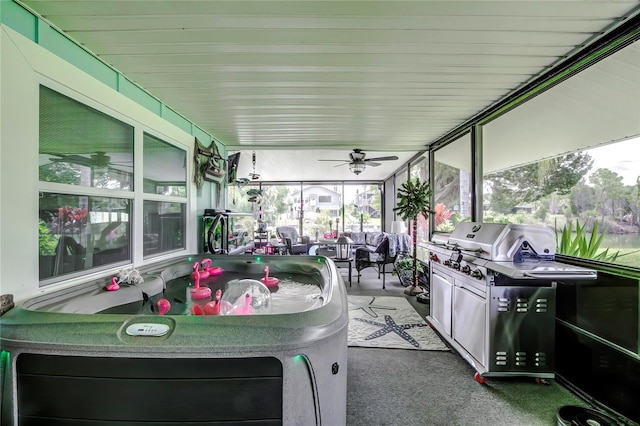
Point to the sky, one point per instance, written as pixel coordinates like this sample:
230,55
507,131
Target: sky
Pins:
621,157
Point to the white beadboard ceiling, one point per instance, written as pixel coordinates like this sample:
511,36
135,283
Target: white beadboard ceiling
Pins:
296,81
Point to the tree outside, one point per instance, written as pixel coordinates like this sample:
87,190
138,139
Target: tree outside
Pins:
564,192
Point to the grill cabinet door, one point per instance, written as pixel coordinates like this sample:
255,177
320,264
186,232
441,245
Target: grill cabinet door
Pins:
441,291
469,322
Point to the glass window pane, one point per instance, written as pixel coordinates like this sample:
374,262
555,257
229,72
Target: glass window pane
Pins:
77,233
165,168
278,205
452,184
420,170
578,162
401,178
322,210
362,208
82,146
239,200
164,225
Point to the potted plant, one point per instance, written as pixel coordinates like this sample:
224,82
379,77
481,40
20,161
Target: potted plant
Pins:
404,269
413,201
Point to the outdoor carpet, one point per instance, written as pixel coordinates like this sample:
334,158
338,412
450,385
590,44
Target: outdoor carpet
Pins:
389,322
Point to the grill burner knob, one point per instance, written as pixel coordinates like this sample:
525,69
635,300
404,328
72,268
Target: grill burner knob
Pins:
466,269
477,273
456,266
447,263
434,257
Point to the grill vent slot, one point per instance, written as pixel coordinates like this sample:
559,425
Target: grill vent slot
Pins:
503,304
522,305
541,305
521,359
502,358
540,359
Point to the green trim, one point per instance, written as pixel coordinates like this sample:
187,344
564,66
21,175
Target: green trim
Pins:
176,119
60,45
39,31
138,95
18,18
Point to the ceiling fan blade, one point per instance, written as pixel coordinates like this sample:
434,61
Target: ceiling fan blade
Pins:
369,163
72,159
391,157
335,160
343,164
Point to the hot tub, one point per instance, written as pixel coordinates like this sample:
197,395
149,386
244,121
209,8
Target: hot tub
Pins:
70,357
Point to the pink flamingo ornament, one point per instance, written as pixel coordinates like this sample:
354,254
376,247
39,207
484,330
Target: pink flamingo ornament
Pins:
114,285
163,306
213,307
196,272
198,292
247,309
270,282
212,270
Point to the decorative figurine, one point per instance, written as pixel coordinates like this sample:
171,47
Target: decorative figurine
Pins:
270,282
212,270
163,306
197,273
114,285
198,292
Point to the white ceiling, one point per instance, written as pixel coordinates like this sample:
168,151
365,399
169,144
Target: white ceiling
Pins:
303,80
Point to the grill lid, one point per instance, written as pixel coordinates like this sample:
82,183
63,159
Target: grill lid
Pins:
515,251
504,242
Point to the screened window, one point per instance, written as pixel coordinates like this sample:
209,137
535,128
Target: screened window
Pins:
240,200
163,227
452,184
81,228
82,146
576,165
165,168
87,225
420,170
363,208
78,232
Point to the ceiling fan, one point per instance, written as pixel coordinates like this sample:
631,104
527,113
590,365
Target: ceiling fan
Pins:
358,162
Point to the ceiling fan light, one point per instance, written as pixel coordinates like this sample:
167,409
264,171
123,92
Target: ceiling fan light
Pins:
357,168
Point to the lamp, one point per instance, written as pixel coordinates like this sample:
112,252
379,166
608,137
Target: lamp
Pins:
398,227
357,168
343,248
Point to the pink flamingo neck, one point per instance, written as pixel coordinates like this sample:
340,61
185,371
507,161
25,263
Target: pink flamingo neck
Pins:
206,264
196,281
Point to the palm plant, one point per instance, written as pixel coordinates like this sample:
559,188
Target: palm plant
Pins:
413,201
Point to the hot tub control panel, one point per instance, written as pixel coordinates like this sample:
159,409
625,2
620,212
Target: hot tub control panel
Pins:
147,329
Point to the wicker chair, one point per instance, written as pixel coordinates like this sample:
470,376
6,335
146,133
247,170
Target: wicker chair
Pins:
294,242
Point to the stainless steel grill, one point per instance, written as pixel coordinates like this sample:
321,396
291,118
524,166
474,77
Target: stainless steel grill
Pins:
493,296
